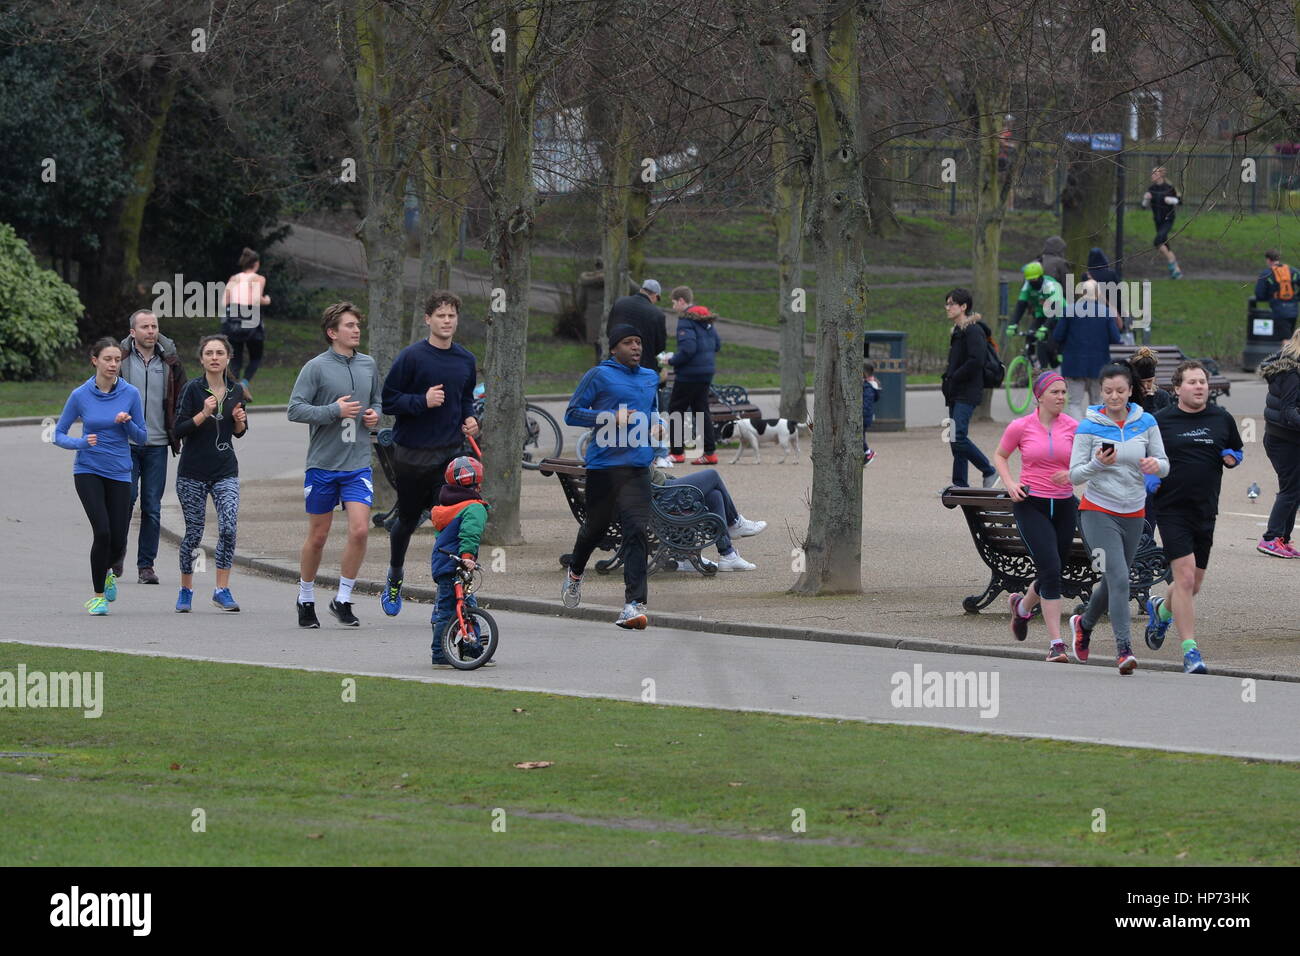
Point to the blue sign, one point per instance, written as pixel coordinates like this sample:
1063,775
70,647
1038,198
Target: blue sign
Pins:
1099,142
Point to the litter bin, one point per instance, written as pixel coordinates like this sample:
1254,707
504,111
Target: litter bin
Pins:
1264,334
888,352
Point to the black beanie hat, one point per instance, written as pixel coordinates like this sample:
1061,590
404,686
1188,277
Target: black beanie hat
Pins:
620,332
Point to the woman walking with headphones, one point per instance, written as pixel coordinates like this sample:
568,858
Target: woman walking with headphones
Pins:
209,416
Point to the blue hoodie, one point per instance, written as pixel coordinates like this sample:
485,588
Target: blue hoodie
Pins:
1085,332
595,402
110,457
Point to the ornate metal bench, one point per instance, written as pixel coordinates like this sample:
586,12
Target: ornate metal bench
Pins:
681,524
998,541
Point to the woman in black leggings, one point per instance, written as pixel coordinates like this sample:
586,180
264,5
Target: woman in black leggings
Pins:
1043,502
110,411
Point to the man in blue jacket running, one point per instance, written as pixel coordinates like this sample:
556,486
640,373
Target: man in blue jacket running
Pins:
620,400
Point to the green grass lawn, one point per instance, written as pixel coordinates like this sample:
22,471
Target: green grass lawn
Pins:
287,773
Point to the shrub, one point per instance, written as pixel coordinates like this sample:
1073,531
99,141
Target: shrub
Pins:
38,312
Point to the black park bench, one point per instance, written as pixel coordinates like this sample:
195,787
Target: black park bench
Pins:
997,539
681,524
1168,358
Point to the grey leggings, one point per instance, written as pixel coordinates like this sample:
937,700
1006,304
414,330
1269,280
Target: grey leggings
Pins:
1117,539
194,505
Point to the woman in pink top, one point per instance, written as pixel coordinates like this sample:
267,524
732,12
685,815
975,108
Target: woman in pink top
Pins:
1043,503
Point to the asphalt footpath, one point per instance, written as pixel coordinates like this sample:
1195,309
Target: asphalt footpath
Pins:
46,542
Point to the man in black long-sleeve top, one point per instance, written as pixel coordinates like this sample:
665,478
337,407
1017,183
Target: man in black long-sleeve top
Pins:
430,392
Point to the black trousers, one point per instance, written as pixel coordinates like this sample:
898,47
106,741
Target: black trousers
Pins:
1284,456
623,495
419,474
1047,527
108,506
690,397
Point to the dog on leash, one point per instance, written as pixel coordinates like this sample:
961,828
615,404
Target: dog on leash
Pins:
751,433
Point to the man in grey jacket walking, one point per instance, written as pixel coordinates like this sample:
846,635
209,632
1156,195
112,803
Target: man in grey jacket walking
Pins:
333,390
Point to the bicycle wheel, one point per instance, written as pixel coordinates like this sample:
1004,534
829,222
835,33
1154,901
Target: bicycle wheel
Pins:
1019,385
542,437
585,442
486,633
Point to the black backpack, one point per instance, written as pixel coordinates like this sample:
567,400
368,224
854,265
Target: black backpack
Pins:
994,371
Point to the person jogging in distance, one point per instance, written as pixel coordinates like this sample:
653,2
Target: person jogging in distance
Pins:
1162,199
333,391
210,415
111,412
1115,447
430,392
245,296
1043,502
1201,440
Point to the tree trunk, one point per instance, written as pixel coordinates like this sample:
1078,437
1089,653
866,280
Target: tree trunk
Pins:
838,228
121,272
512,205
638,224
614,204
1086,204
788,216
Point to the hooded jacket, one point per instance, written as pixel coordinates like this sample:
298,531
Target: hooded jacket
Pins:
459,524
1282,406
1053,258
1099,266
1120,487
963,381
697,342
595,403
314,400
175,381
110,456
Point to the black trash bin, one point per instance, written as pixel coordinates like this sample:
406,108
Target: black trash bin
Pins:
1264,334
888,352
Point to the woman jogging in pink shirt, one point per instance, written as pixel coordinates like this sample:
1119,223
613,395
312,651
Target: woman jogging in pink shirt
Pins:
1043,503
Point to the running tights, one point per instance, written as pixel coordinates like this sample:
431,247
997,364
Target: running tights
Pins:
1114,541
108,506
194,505
1047,527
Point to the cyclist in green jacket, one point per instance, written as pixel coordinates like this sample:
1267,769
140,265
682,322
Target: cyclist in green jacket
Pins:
1043,295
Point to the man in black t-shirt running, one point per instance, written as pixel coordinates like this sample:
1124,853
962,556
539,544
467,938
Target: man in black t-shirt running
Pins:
1200,440
1162,198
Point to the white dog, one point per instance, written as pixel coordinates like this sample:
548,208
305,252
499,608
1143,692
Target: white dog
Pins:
779,430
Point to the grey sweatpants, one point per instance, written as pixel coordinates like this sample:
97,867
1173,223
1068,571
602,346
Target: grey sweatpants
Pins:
1114,544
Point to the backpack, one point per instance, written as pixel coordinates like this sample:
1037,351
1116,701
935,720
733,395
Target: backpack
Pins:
994,371
1282,276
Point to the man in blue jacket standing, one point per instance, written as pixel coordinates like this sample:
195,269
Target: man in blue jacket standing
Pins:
693,364
619,399
1085,334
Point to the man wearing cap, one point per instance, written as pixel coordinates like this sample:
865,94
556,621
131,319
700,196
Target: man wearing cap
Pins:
641,312
619,399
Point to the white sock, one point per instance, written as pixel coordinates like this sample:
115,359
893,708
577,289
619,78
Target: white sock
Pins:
306,591
1020,609
345,589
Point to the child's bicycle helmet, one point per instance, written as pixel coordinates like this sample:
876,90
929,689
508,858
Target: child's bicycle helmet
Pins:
465,472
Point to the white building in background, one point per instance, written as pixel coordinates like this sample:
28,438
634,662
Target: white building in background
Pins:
565,158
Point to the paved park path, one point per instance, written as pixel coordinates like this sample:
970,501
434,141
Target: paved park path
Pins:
46,541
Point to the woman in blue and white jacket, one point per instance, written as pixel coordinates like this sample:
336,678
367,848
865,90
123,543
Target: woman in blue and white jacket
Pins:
1116,450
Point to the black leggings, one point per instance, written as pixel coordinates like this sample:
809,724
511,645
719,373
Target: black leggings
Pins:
255,347
418,475
108,506
1047,527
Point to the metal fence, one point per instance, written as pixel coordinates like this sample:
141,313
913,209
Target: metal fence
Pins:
1232,182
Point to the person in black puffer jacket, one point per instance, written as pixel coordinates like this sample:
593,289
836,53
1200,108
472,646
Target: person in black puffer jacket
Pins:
1282,444
693,366
963,386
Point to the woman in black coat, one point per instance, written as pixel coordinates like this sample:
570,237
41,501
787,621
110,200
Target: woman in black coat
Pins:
963,386
1282,445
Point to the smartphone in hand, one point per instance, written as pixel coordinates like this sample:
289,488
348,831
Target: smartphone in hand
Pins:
1107,446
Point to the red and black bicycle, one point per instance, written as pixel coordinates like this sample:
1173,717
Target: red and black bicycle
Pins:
470,638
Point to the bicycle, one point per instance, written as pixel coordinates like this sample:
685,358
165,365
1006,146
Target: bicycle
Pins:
542,435
472,629
1022,369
